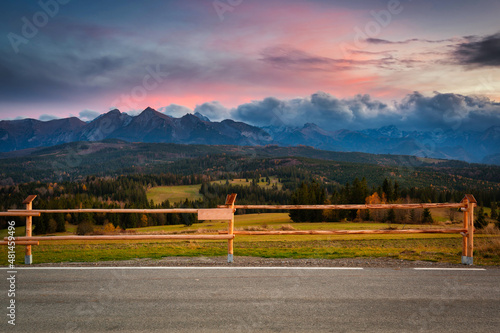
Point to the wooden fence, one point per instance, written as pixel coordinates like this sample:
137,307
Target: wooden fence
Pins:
226,212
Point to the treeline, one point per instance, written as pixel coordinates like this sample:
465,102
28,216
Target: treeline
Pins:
215,194
360,193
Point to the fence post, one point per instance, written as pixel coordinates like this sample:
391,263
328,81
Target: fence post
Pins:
28,202
465,235
230,199
468,238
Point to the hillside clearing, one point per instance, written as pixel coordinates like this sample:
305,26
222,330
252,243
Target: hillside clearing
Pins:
174,194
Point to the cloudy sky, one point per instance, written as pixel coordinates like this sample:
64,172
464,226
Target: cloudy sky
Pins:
346,63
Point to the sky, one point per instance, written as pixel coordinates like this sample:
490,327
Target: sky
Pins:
340,64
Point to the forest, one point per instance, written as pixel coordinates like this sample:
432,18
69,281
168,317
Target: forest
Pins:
299,185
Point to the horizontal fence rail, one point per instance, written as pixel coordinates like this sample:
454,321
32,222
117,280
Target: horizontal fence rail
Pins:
226,213
19,213
28,242
335,207
348,232
113,211
123,237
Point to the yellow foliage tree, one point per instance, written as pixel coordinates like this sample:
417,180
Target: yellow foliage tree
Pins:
375,199
144,221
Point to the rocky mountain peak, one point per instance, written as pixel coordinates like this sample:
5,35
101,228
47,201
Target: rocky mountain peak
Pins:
200,116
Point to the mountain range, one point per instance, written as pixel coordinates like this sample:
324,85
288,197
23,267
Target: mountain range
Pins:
152,126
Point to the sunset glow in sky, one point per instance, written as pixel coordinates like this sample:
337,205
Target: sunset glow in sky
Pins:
63,58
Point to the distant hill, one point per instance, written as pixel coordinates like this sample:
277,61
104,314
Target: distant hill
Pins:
113,157
151,126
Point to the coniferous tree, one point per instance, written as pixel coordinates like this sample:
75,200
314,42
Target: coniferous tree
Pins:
397,193
480,221
391,216
494,207
306,194
387,189
427,216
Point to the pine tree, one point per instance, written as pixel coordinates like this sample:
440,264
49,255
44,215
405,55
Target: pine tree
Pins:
391,216
396,191
387,189
494,207
306,194
480,221
427,216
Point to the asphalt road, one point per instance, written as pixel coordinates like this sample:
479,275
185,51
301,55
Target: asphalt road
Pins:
253,300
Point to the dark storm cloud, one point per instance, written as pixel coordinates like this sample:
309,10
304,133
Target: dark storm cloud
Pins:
477,51
414,112
321,108
450,111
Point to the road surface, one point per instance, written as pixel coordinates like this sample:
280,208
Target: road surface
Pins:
208,299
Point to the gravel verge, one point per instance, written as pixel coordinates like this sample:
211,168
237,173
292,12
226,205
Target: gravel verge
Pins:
262,262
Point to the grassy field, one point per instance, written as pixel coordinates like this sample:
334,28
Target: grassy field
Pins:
173,193
431,247
239,181
182,192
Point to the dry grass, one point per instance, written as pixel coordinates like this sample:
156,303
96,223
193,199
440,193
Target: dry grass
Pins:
286,227
182,232
488,247
254,228
265,227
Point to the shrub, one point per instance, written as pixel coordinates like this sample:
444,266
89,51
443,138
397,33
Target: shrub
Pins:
85,228
51,226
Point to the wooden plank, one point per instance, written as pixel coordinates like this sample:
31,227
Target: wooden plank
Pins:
20,213
99,210
123,237
347,232
215,214
21,242
29,199
374,206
